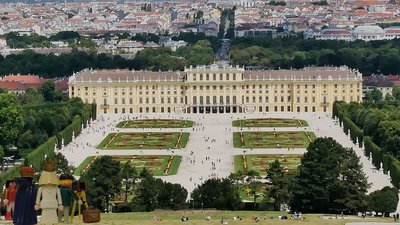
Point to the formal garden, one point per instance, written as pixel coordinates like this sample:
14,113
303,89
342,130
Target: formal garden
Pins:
270,122
155,123
157,165
260,163
145,140
273,139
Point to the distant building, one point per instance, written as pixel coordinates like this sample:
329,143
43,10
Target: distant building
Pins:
19,83
217,89
365,33
380,82
254,29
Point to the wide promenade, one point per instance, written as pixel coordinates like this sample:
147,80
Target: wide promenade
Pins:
209,152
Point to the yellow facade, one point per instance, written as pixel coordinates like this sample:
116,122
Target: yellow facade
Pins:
217,89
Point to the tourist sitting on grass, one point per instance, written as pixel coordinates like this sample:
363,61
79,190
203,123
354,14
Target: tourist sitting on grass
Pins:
223,221
184,219
208,218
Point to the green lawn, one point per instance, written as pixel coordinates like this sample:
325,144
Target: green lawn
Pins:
198,218
260,163
270,122
83,166
144,140
155,123
156,164
272,139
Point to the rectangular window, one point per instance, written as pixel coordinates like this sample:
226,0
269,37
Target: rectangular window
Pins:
282,108
266,109
123,110
115,101
115,110
305,109
259,108
130,110
313,108
276,108
298,108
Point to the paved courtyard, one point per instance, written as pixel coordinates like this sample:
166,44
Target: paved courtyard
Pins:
210,152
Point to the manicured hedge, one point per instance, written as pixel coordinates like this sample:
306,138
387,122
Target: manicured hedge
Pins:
389,162
36,157
66,134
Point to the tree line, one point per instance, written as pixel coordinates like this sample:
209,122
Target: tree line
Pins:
328,180
375,124
51,66
285,53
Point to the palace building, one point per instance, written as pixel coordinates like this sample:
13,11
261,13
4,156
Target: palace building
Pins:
217,89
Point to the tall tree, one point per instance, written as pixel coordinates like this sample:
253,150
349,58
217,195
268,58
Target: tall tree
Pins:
384,200
103,180
11,120
129,176
281,181
217,193
330,179
48,91
1,157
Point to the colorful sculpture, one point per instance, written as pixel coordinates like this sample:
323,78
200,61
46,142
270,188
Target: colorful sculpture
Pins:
25,198
68,197
79,187
9,197
48,197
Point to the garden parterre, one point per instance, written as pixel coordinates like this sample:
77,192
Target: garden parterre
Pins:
155,123
158,165
273,139
260,163
270,122
145,140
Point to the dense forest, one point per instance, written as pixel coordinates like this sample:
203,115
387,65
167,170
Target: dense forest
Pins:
369,57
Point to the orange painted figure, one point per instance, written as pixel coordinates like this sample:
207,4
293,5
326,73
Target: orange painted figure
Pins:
9,197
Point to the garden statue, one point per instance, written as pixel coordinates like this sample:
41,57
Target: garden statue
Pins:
68,196
73,136
381,167
9,198
25,199
48,197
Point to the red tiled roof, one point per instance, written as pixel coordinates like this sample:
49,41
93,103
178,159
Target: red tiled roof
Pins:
12,85
27,79
62,84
